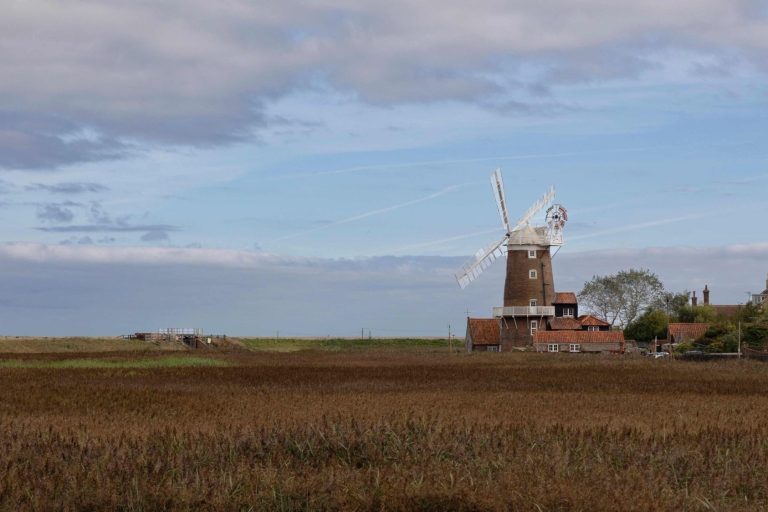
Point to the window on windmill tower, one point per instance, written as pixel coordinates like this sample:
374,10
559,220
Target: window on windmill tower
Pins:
532,303
534,326
532,254
532,274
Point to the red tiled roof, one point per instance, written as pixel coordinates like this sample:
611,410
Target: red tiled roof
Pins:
564,324
592,320
679,332
578,336
565,298
484,331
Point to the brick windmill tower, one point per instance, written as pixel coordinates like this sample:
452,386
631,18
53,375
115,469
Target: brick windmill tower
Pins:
529,286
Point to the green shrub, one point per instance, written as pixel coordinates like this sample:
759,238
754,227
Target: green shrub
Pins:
755,336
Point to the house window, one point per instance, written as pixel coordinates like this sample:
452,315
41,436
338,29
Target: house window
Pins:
493,348
593,328
568,312
553,347
532,274
532,254
534,326
574,347
532,303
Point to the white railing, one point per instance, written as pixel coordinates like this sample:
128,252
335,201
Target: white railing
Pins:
524,311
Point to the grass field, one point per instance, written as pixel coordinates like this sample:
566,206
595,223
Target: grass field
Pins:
384,430
32,345
346,344
103,362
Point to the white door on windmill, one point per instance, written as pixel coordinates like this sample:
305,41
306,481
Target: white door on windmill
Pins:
521,233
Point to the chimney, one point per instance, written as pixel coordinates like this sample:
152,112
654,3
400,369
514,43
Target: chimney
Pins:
694,300
706,294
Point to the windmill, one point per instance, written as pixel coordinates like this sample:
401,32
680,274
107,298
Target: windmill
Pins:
529,283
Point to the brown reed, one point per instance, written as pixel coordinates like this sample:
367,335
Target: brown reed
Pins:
387,431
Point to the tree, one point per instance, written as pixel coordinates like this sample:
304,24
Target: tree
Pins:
602,296
704,313
651,324
719,338
762,314
750,313
755,336
621,297
671,303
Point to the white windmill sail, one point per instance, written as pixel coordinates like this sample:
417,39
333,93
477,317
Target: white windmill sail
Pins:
534,209
501,200
483,259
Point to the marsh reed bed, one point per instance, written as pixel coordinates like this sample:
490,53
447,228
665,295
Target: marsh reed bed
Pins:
386,431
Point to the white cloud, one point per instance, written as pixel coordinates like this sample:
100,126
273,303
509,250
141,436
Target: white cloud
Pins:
87,81
59,290
730,271
42,253
85,289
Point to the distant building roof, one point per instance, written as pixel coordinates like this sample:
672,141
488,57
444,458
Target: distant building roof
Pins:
578,336
484,331
727,310
680,332
565,298
589,320
564,324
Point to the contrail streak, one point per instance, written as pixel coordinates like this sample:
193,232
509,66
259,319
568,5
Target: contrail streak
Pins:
445,240
631,227
375,212
422,163
642,225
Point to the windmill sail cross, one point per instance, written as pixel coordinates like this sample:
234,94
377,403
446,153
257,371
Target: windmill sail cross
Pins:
521,234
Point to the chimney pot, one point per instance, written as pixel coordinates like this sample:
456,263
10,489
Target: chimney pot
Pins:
694,300
706,294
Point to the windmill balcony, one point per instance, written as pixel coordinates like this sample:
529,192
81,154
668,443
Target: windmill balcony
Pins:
524,311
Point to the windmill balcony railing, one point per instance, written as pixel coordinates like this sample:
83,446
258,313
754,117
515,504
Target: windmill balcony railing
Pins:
524,311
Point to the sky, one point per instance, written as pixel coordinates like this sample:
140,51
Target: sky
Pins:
321,168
